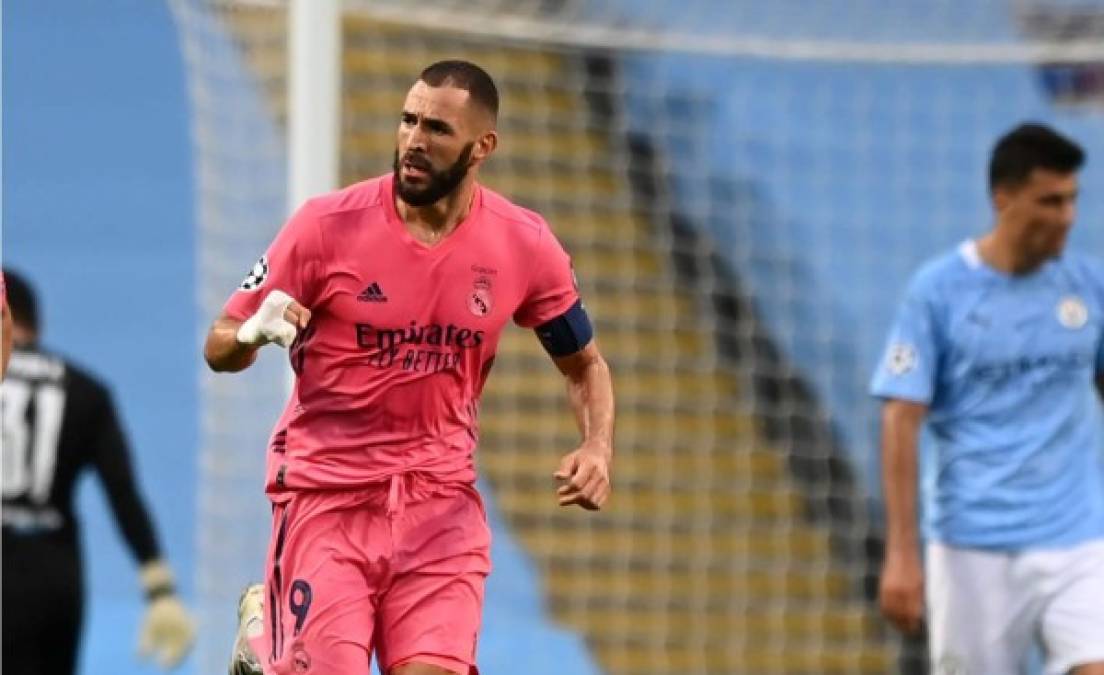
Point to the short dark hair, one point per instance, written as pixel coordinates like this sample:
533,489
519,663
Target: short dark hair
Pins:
1028,147
467,76
21,300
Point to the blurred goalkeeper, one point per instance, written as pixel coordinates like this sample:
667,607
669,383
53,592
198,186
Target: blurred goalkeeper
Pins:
59,421
999,349
392,295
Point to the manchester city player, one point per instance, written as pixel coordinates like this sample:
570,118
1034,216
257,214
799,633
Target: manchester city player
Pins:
997,352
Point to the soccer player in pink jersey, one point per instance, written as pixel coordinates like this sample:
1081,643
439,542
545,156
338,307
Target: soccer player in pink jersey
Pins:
392,295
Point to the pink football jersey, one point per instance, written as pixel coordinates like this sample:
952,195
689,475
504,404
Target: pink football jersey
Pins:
402,335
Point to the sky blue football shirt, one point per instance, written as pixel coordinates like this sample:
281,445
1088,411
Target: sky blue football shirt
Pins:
1012,457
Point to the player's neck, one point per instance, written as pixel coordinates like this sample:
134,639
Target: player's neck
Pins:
997,250
435,221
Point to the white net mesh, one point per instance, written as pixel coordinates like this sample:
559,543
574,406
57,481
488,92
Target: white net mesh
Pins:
240,167
744,189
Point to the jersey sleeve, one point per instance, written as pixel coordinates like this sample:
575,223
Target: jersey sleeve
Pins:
111,456
909,363
290,264
552,288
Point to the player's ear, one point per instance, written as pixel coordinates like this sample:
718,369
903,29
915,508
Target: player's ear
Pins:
485,145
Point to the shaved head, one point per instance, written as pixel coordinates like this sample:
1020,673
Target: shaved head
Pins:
467,76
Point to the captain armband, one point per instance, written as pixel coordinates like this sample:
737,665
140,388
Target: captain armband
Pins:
567,333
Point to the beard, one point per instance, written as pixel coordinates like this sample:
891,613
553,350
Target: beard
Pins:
439,183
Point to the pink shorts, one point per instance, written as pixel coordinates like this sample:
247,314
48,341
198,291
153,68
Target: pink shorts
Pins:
398,569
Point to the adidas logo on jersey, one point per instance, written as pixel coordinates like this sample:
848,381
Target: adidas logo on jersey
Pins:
372,294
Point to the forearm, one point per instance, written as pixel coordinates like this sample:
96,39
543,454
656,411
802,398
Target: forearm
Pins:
135,523
590,393
112,460
223,351
899,475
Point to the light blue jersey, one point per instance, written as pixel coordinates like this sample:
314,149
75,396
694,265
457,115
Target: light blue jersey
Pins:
1015,431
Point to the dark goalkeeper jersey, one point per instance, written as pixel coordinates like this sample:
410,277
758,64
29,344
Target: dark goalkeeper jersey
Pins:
57,421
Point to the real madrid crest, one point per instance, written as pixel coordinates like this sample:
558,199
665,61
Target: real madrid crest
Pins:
1072,312
480,300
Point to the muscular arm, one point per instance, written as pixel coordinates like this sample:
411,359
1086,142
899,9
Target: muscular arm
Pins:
901,422
902,580
223,351
590,394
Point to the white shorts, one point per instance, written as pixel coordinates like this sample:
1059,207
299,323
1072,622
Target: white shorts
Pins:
986,610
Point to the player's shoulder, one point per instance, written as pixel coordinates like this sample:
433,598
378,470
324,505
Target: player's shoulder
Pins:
512,215
943,272
44,365
79,377
36,365
1088,267
365,195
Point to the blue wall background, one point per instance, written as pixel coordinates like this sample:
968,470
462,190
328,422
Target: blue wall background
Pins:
98,214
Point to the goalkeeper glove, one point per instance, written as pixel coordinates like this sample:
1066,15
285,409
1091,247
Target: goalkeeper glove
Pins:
269,324
167,630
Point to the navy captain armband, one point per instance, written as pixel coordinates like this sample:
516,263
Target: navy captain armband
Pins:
567,333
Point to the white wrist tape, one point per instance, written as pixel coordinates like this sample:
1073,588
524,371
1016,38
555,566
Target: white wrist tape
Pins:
269,324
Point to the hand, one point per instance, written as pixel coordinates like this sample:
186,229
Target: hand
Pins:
901,592
167,631
585,477
278,319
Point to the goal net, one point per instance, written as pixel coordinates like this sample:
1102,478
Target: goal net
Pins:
744,189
